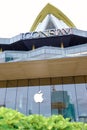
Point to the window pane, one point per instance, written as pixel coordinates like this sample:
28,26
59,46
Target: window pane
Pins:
81,96
10,98
71,104
45,106
57,99
2,96
21,100
33,107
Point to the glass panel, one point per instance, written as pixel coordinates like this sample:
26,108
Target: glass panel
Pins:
10,98
81,97
2,96
57,104
8,59
21,100
33,107
70,101
45,106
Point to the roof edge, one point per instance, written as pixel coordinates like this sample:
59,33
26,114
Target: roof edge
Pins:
50,9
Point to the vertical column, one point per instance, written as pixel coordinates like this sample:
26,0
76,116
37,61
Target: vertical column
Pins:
5,93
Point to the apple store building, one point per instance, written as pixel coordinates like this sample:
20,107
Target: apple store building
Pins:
45,72
47,80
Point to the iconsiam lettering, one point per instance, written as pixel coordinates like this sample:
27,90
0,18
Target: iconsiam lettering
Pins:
47,33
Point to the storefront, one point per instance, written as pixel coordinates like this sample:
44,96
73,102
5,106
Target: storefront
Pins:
66,96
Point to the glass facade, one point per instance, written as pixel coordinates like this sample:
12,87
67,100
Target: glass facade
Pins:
65,95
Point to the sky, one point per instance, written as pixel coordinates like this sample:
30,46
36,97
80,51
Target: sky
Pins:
17,16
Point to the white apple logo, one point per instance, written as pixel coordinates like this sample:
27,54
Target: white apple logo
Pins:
38,97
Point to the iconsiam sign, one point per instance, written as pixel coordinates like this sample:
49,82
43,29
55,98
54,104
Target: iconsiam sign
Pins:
47,33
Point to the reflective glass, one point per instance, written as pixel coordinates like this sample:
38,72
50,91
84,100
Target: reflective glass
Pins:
57,99
21,99
10,98
45,106
66,96
2,96
71,103
33,107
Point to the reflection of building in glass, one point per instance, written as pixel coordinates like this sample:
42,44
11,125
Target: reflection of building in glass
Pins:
54,53
60,104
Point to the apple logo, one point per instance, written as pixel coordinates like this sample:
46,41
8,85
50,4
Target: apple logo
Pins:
38,97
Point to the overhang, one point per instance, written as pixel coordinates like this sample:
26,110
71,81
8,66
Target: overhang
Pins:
44,68
55,41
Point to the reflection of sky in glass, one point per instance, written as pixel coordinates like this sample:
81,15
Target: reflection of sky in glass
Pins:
21,99
45,106
32,106
82,98
10,98
39,108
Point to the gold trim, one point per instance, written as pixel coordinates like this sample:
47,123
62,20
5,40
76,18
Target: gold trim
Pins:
43,81
33,47
0,49
50,9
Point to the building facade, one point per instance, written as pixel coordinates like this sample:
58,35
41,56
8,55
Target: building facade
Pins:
50,61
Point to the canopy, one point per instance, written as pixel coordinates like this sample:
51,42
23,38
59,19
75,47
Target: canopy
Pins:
55,41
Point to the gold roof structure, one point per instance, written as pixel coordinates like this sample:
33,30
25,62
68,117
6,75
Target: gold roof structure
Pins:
50,9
